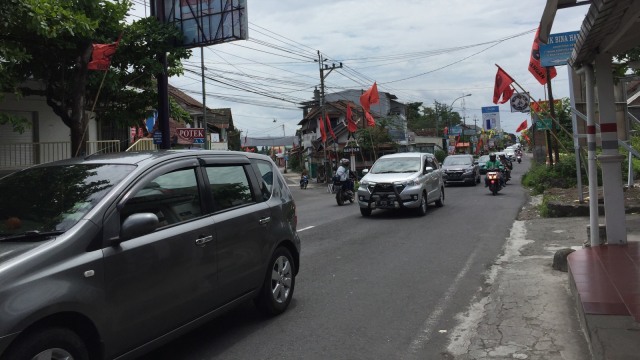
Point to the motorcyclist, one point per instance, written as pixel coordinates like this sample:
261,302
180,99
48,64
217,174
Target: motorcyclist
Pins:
345,174
508,166
494,164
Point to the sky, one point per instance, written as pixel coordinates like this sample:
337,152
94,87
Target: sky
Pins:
418,50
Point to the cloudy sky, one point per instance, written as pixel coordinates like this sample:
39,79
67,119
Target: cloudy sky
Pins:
419,50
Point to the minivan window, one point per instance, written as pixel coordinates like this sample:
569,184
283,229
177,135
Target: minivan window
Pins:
266,172
173,197
54,198
229,186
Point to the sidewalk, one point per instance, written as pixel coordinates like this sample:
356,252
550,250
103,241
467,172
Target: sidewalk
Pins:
528,310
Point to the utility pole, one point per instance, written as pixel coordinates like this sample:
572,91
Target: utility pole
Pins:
328,70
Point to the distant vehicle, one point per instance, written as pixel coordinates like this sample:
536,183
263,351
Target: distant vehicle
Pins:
510,153
461,169
403,180
109,256
482,160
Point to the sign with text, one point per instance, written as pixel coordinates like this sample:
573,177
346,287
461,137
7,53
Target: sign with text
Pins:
558,49
491,117
351,149
189,135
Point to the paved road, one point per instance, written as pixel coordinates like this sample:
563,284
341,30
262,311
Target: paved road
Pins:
384,287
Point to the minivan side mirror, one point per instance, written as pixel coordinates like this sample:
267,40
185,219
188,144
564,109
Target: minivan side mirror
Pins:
365,171
137,225
428,169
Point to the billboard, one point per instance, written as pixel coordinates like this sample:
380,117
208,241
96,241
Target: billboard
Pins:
491,118
206,22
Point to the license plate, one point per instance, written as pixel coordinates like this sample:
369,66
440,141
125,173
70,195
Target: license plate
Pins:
383,203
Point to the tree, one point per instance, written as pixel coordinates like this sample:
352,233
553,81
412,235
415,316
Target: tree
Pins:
50,41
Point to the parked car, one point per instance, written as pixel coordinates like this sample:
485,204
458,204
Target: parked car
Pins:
402,180
461,169
110,256
482,160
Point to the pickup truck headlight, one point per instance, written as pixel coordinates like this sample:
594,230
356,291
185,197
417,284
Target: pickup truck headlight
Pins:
468,171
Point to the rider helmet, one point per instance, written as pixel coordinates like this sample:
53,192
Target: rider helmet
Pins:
344,162
492,157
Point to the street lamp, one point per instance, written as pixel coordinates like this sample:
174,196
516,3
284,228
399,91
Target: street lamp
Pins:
449,114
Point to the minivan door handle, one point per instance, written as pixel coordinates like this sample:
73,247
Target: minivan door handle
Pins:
204,240
265,220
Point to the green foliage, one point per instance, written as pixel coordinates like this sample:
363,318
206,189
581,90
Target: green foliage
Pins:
50,41
295,162
562,175
440,155
19,123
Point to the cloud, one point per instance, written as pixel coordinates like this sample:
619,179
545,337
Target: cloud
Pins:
442,48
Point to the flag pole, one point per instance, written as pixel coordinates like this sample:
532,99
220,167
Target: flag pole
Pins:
95,101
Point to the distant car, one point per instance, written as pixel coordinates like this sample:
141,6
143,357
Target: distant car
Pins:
109,256
510,153
403,180
482,160
460,169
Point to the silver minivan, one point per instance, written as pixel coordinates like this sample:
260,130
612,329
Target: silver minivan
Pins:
409,180
110,256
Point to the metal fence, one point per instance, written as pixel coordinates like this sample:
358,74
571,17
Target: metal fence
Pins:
22,155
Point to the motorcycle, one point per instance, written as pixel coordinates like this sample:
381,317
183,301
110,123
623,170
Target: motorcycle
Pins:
304,181
519,158
493,180
343,191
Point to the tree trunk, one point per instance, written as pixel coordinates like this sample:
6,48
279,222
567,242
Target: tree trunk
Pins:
78,121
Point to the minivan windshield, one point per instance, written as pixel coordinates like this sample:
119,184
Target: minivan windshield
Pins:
396,165
51,199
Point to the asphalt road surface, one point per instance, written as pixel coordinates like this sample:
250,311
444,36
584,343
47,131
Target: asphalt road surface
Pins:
382,287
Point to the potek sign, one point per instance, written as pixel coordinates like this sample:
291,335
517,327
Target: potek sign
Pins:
190,134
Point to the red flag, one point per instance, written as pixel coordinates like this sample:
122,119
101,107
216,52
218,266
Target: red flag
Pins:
502,87
330,128
323,134
101,56
370,120
370,97
351,125
535,67
522,126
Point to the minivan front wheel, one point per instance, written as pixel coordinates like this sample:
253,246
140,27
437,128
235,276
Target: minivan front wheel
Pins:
54,343
279,282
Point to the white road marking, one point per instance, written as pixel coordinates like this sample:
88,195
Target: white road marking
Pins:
427,328
307,228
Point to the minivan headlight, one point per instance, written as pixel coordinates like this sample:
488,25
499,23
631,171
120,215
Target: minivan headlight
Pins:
410,182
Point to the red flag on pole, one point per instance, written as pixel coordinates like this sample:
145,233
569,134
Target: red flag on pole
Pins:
323,134
351,125
370,97
502,87
522,126
535,67
330,128
101,56
370,120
